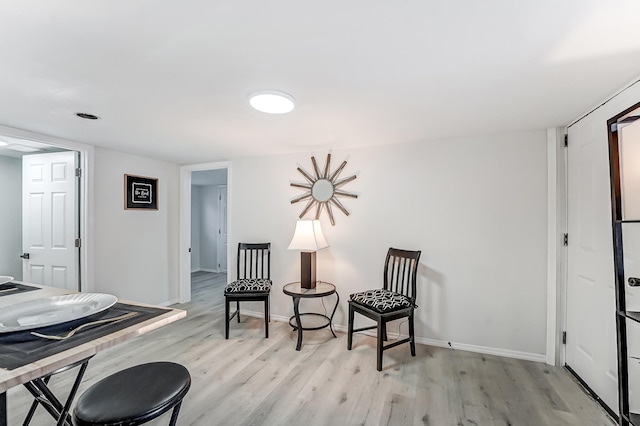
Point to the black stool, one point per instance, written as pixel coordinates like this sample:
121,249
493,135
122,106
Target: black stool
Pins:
134,396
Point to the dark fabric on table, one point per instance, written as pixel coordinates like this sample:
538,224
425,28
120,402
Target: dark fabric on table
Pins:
19,288
22,348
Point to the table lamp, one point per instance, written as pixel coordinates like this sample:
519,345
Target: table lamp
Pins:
308,238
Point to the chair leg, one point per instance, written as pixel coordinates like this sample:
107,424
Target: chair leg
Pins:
238,310
350,327
380,346
384,331
266,318
226,317
412,336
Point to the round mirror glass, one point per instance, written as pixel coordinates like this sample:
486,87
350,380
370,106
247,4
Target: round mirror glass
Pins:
322,190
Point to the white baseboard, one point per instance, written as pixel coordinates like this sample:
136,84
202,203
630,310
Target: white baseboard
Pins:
259,314
508,353
168,302
527,356
204,270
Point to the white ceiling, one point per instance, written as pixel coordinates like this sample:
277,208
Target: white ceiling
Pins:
170,79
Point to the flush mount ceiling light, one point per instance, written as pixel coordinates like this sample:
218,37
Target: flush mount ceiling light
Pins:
87,116
272,102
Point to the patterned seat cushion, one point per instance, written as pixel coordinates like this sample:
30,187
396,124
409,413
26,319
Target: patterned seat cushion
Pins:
382,300
249,285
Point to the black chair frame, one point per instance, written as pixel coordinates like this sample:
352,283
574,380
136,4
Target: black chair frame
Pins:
251,264
42,395
400,275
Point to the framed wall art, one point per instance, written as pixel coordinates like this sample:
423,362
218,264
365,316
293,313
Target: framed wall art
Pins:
140,192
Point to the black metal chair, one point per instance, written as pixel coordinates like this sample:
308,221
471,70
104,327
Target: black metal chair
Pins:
42,395
134,396
397,299
253,282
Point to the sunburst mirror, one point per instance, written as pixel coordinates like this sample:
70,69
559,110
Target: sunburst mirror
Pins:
323,189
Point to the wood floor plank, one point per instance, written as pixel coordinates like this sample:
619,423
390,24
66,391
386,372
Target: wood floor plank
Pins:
250,380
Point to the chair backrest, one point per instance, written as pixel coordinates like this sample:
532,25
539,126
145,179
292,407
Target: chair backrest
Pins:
400,271
254,260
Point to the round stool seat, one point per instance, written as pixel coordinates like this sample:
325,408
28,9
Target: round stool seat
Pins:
133,396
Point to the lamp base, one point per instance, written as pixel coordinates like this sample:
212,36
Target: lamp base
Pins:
308,269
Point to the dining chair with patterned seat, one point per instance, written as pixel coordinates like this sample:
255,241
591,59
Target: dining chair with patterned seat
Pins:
253,282
395,300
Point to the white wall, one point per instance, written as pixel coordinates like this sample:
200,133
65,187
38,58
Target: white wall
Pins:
209,227
11,217
204,228
476,207
196,213
136,252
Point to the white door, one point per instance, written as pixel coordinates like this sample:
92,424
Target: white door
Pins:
222,228
591,330
50,219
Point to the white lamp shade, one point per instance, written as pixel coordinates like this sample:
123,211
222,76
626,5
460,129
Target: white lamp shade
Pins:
308,236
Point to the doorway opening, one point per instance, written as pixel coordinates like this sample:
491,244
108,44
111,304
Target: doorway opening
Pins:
209,220
203,223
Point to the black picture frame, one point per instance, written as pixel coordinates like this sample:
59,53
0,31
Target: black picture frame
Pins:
140,193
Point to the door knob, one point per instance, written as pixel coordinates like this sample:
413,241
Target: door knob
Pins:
25,255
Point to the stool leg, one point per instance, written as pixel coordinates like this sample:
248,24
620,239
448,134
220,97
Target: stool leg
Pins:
34,406
47,401
174,414
64,415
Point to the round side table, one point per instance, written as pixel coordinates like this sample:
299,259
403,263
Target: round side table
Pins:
322,289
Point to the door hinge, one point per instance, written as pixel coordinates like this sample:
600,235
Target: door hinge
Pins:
564,337
78,242
565,240
566,140
78,172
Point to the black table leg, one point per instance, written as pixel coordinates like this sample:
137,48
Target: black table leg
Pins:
3,409
333,313
296,311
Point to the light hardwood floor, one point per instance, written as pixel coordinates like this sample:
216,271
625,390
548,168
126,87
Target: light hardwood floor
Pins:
249,380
